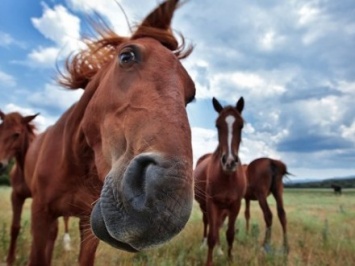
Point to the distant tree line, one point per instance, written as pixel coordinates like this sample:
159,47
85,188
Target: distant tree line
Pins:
348,182
4,177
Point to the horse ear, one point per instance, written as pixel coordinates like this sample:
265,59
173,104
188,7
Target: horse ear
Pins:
240,105
217,106
29,118
160,17
2,115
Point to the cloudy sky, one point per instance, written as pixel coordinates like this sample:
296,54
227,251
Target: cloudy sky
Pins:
292,61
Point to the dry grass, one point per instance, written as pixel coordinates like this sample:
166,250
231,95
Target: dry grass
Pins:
321,232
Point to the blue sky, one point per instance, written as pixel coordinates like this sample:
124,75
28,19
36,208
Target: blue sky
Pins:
292,61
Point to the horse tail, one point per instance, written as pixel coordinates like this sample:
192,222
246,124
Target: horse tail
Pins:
274,171
278,172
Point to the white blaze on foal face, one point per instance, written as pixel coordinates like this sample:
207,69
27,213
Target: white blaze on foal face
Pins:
229,124
230,121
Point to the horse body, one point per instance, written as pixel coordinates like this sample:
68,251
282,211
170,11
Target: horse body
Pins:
220,181
264,177
16,135
120,159
56,180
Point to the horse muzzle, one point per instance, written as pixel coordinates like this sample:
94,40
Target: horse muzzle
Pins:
149,205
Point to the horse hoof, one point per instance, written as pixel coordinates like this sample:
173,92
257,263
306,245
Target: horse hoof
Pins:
267,249
219,252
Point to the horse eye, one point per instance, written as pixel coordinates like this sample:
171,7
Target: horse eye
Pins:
15,135
127,58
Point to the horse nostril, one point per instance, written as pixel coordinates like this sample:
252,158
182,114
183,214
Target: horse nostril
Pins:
224,159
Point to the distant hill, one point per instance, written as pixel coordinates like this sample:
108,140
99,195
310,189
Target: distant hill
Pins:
344,182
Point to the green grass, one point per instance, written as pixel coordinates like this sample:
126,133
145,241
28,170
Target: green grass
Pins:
321,231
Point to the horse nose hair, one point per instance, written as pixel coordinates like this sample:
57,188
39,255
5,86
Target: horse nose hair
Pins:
224,159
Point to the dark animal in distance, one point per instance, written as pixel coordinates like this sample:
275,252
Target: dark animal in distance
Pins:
220,181
337,189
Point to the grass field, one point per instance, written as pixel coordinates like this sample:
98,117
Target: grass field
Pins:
321,230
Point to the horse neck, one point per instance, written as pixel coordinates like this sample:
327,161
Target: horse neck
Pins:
73,137
21,154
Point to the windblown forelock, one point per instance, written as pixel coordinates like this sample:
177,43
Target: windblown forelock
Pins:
82,66
167,39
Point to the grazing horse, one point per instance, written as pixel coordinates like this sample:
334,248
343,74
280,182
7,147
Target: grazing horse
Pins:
264,176
120,158
337,189
16,135
220,182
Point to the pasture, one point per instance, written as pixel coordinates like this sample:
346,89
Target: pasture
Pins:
321,231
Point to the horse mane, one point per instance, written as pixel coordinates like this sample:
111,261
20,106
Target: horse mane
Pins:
83,65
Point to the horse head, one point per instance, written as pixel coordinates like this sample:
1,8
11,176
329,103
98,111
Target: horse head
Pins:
134,119
229,125
16,132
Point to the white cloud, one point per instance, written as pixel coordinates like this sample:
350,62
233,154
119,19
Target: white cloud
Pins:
251,85
58,25
203,141
7,80
308,14
324,112
44,56
6,40
348,132
111,10
54,96
62,28
270,40
347,87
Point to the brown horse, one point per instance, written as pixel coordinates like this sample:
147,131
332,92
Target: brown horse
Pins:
220,182
264,178
120,159
16,135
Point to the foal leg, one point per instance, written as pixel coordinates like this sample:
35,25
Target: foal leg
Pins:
231,224
88,244
16,204
205,226
213,231
223,216
66,238
282,217
247,214
53,232
41,220
268,220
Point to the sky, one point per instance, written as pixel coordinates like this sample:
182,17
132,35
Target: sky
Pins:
292,61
